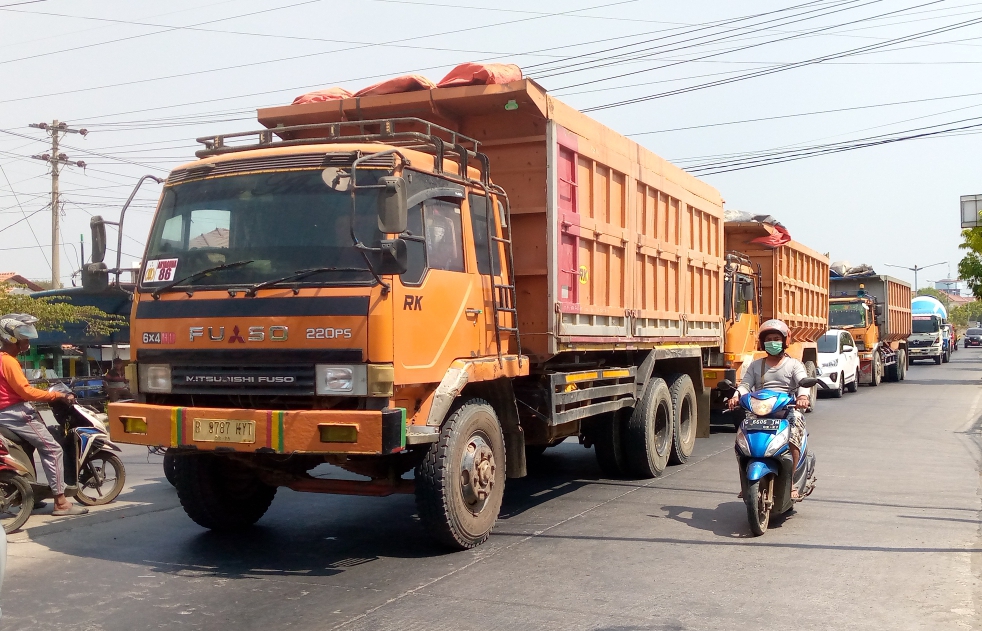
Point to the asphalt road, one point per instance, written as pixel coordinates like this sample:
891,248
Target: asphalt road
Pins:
890,540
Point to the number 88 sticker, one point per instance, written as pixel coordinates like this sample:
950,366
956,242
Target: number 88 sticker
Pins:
160,270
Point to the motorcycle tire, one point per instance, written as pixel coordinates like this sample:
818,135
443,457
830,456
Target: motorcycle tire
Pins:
758,513
170,470
93,478
15,491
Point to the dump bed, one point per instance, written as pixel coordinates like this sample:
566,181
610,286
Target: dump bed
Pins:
614,247
794,280
893,293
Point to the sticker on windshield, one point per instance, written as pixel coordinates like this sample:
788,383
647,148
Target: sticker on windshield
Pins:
160,271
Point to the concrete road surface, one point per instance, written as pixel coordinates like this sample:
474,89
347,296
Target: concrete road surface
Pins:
890,540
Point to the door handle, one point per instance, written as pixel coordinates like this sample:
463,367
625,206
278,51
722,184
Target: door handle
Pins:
473,312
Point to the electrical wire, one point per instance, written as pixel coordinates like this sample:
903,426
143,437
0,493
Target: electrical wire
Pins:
2,170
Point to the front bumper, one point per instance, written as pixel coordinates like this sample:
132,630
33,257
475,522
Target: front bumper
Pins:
829,380
925,351
376,432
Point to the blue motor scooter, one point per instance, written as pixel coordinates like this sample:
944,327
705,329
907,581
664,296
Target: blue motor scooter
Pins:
764,454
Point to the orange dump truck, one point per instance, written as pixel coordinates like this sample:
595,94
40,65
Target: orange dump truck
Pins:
789,282
439,281
876,310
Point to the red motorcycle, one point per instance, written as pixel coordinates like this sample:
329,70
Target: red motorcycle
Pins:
16,494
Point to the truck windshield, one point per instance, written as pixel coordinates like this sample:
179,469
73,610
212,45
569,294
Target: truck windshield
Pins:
281,221
847,314
926,325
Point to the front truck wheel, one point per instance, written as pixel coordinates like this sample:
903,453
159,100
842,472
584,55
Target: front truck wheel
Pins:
937,360
812,371
648,439
461,481
220,493
685,417
760,499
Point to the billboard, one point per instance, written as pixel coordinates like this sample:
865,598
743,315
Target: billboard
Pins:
971,209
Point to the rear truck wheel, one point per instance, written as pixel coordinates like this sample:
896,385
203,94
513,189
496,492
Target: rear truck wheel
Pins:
608,442
759,499
937,360
461,480
170,464
837,393
16,501
219,493
891,373
812,371
684,417
854,386
100,479
876,371
648,439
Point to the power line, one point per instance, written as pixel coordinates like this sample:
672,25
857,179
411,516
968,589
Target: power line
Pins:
2,170
791,66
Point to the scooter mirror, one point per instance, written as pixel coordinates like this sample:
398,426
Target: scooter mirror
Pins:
808,382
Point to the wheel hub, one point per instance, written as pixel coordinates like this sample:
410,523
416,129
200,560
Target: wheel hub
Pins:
477,469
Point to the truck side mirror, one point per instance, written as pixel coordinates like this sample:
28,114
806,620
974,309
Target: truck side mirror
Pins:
748,292
393,211
393,257
98,226
878,310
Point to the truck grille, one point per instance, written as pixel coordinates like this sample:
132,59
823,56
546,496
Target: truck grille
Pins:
919,343
284,379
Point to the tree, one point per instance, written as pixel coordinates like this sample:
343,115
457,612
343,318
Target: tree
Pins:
967,314
935,293
970,267
53,313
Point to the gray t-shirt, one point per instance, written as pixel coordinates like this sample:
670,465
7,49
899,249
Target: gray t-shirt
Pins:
783,377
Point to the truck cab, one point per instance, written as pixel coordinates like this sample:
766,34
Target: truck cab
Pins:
927,340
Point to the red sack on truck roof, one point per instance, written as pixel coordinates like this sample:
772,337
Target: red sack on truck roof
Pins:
481,74
330,94
405,83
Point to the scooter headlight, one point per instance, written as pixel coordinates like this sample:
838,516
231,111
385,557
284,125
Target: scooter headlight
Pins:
780,440
741,442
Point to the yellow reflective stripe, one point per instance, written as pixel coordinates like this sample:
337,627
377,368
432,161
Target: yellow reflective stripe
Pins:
583,376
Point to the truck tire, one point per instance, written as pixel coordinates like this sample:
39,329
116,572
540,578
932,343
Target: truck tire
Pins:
685,414
170,466
461,480
648,439
219,493
812,371
876,371
854,386
937,360
608,442
945,356
892,373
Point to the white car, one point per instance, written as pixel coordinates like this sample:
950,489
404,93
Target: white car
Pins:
839,362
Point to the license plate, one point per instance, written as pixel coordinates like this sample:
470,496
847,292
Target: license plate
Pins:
762,424
224,431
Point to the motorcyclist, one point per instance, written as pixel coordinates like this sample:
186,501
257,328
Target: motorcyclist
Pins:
19,416
778,371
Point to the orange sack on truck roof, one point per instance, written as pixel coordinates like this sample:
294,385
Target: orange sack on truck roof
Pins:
481,74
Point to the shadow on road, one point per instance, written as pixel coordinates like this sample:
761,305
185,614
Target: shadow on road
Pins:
726,520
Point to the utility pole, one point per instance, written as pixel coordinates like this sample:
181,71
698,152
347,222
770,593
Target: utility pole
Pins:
916,269
57,160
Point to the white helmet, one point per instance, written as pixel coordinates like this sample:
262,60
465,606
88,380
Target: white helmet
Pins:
17,326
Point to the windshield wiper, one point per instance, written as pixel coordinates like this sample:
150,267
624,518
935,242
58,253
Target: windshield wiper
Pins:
300,274
156,292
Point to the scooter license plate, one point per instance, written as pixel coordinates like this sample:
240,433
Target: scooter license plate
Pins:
762,424
224,431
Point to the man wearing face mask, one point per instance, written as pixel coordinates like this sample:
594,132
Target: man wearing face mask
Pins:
778,371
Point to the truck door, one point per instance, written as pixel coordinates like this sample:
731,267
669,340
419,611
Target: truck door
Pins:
437,303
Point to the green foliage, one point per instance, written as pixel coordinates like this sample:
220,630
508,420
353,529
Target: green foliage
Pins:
935,293
53,313
970,267
966,315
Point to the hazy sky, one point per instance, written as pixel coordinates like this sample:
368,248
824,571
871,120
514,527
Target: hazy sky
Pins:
147,78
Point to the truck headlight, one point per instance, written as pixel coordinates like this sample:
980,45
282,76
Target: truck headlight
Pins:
154,378
341,380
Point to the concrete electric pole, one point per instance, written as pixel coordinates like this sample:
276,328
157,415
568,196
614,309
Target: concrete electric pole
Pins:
57,160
